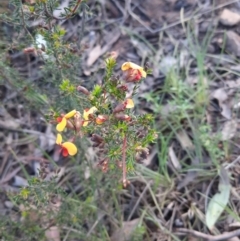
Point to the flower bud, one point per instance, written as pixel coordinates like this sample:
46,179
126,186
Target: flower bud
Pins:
105,169
83,90
114,55
123,87
119,108
129,103
123,117
119,164
78,121
101,119
97,138
125,183
96,144
101,145
103,162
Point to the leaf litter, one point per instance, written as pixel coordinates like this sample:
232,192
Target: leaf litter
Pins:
152,32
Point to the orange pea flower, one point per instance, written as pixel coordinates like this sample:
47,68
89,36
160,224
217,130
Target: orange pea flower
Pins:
134,71
63,120
123,117
129,103
101,119
67,148
87,113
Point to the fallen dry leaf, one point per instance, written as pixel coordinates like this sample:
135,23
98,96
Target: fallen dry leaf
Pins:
222,97
167,64
184,140
229,130
234,83
174,158
229,18
53,234
234,239
235,225
124,233
87,173
233,43
20,181
98,51
46,141
219,201
142,49
10,124
167,109
94,55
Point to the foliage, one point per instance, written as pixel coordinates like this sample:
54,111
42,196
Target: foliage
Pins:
87,203
107,103
102,112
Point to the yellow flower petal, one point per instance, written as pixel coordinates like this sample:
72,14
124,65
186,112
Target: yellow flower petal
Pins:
130,103
70,114
59,139
92,110
130,65
143,73
123,117
100,119
71,148
61,125
86,113
85,123
125,66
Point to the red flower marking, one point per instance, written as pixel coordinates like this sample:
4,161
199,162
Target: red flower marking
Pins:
59,119
64,151
138,75
134,75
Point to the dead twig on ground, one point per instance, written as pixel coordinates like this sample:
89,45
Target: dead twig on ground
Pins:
209,237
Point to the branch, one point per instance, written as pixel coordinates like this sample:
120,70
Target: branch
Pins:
124,168
24,23
76,6
73,11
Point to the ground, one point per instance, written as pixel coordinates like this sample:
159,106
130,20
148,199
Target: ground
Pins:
187,188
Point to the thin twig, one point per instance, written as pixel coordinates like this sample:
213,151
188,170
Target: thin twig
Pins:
76,6
24,24
208,237
51,15
83,25
124,168
73,11
133,209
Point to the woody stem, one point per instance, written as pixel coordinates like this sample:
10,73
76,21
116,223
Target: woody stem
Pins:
124,168
76,6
